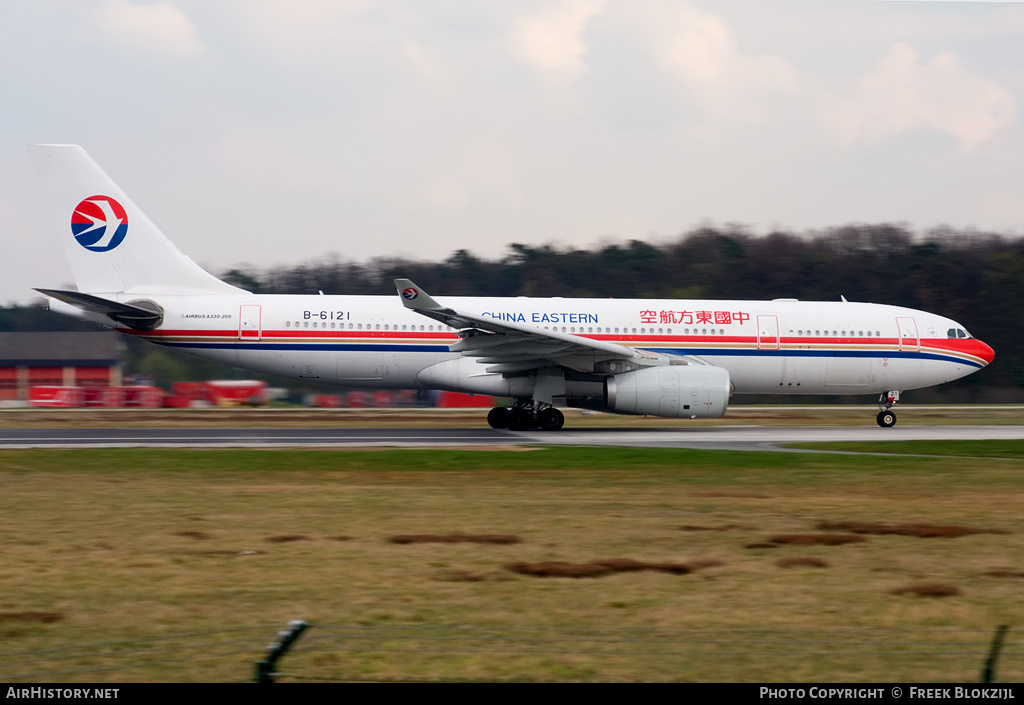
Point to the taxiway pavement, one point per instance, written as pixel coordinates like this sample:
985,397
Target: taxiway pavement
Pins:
717,437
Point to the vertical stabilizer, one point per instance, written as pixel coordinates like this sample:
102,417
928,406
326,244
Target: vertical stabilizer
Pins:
111,245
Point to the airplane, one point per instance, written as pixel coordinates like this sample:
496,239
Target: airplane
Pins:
674,358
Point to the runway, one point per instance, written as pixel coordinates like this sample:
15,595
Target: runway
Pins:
737,437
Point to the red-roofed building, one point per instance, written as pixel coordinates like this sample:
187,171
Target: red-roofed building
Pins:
58,359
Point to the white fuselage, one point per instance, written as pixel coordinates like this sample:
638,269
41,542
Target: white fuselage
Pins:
768,347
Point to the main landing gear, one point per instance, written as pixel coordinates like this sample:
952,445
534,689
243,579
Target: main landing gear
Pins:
887,417
526,415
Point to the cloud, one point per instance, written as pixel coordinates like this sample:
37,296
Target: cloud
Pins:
481,172
901,94
700,49
550,40
158,28
699,55
310,30
426,62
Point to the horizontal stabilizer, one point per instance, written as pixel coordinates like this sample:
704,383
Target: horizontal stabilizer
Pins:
138,315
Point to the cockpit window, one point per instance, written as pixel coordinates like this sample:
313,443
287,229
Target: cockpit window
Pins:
961,333
951,333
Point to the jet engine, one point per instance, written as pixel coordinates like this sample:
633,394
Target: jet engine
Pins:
673,391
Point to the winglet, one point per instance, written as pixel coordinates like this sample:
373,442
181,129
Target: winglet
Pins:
415,298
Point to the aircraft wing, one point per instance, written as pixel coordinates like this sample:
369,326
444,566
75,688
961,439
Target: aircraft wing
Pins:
509,347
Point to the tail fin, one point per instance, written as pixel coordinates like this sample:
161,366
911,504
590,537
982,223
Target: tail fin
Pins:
111,245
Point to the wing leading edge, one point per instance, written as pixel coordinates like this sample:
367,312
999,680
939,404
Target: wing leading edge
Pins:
510,348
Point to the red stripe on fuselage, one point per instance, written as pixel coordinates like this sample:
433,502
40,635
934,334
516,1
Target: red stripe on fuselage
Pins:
963,346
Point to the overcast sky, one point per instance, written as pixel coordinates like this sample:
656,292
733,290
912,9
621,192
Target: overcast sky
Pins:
271,132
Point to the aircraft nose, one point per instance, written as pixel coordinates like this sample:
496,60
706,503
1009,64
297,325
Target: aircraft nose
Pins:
986,353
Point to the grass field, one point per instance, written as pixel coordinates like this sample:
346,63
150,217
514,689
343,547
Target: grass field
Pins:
448,564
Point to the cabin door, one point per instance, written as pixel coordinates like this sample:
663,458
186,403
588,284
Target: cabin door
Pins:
909,339
249,323
767,332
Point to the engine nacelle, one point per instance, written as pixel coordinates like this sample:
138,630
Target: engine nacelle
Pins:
672,391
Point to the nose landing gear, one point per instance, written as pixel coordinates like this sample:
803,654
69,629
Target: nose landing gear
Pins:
887,417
